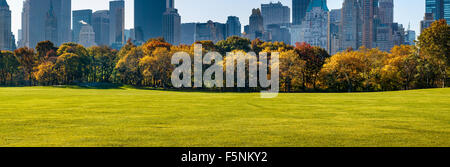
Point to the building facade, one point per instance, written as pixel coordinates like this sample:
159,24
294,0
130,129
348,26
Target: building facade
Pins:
256,26
188,33
171,24
314,28
299,10
368,12
148,18
276,13
234,27
384,39
435,7
100,24
78,18
350,25
6,37
33,21
210,31
446,8
87,36
428,19
51,25
334,22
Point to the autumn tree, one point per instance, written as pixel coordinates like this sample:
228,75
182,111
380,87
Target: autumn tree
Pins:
434,45
315,58
45,51
157,68
400,68
153,44
26,58
256,45
46,73
128,69
291,67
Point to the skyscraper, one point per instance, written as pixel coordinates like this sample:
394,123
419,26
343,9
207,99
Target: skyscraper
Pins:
368,8
79,17
334,22
51,25
256,26
435,7
5,27
171,24
383,22
234,27
100,23
275,13
299,10
350,26
148,18
33,21
117,22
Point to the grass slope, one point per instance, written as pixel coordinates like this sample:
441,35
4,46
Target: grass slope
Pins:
48,116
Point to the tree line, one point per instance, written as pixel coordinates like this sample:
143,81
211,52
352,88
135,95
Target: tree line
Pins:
302,67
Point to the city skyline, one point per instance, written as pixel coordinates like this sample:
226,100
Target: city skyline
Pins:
219,13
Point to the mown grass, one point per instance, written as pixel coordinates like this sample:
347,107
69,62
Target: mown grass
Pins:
50,116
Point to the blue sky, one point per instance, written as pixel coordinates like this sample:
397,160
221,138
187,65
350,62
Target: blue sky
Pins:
406,11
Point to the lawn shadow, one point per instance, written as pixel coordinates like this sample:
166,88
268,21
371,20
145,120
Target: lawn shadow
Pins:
92,86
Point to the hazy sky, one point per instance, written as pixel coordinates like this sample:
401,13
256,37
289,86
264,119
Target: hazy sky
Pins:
406,11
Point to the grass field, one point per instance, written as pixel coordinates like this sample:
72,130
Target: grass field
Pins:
49,116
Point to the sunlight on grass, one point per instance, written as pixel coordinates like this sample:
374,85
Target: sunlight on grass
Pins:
49,116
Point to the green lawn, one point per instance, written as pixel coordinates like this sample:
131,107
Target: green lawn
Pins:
48,116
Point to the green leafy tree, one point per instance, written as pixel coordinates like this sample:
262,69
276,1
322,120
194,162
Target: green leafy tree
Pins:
234,43
103,64
8,67
70,68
